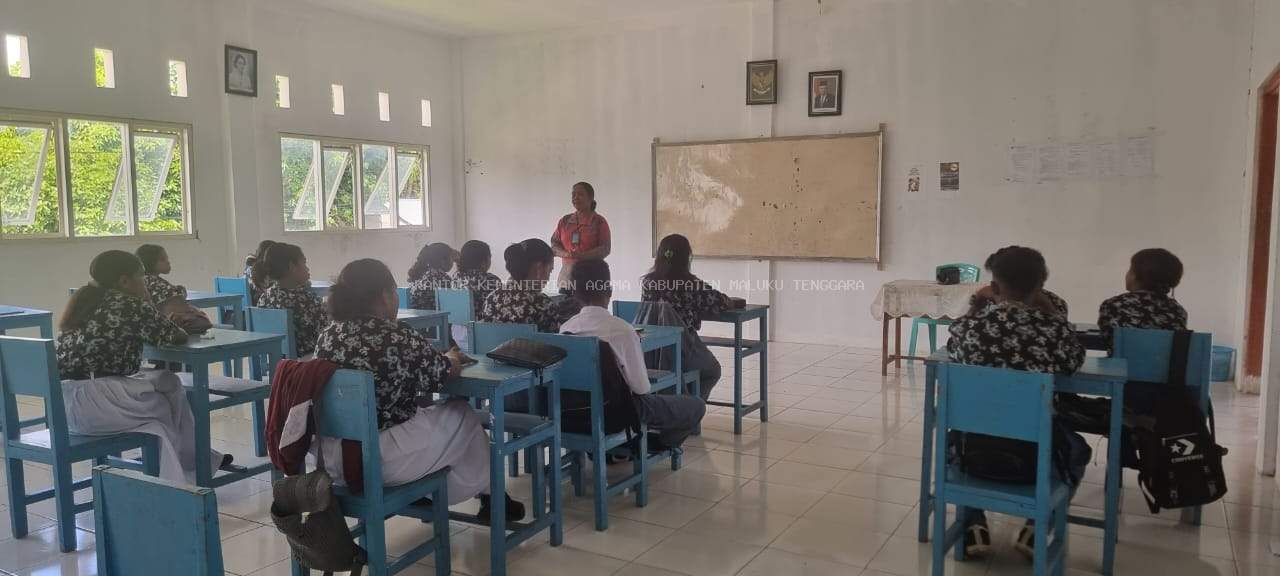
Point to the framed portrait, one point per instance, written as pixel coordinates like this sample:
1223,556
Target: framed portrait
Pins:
762,82
241,71
826,93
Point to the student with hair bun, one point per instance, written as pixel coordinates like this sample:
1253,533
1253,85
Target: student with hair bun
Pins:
521,300
473,273
416,439
255,289
155,262
1148,303
429,272
289,288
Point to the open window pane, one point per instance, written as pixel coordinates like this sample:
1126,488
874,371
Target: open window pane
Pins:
28,181
104,68
378,179
299,165
339,188
99,177
410,177
157,167
178,78
16,57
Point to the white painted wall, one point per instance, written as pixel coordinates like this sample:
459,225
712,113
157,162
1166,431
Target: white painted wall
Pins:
954,81
236,174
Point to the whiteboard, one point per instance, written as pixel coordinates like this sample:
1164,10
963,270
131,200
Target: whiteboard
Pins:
804,197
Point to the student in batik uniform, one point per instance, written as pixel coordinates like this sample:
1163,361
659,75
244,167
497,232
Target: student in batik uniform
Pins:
429,272
290,289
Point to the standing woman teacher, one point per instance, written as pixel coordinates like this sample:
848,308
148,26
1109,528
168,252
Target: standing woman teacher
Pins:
580,235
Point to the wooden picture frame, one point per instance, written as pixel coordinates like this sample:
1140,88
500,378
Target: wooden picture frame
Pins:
762,82
240,71
823,100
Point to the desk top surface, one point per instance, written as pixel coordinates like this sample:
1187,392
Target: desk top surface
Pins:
20,312
738,314
221,338
409,314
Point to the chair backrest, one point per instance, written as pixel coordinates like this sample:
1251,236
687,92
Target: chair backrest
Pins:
29,367
626,309
996,401
402,292
580,370
233,285
1148,351
274,321
457,302
349,410
969,273
147,525
485,336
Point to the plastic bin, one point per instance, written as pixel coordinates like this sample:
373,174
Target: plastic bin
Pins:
1223,364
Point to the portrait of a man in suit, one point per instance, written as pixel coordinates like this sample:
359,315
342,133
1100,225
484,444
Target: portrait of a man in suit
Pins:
824,93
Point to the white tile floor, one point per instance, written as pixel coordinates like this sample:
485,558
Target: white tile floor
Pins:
827,487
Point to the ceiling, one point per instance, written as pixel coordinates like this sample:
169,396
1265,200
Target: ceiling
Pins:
489,17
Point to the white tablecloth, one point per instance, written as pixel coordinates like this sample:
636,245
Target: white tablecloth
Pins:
922,298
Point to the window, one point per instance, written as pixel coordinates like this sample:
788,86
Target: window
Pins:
339,103
104,68
324,180
15,56
114,177
426,113
282,91
178,78
384,107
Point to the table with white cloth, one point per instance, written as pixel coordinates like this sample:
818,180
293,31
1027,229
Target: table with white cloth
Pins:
916,299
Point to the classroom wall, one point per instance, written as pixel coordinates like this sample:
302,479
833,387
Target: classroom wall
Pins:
953,81
235,162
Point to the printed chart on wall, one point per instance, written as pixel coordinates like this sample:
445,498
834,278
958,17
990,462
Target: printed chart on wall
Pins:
807,197
1049,162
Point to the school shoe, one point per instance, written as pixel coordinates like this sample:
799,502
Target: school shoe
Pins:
515,510
977,541
1025,543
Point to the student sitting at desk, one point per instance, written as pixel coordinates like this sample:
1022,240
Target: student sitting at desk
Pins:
99,351
473,273
1020,330
983,296
416,440
674,417
155,261
429,272
521,300
290,289
256,290
1147,303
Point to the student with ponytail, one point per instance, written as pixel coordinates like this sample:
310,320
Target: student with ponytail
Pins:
429,272
289,289
256,289
473,273
1148,301
103,329
521,300
417,437
155,262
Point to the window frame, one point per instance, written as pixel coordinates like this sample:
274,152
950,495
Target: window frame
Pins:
356,145
62,157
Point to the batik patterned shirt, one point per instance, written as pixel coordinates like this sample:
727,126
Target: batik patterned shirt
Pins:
161,290
1016,336
110,342
479,283
307,309
422,291
692,299
522,303
404,365
1140,309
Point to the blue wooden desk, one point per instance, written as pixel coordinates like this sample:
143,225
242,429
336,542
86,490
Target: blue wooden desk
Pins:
14,318
1096,377
491,381
434,321
742,349
321,287
221,345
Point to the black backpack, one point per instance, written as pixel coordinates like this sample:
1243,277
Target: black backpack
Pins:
1180,462
619,410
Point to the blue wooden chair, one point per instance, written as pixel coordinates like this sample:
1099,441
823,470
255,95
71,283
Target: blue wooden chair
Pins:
28,367
457,302
148,526
580,370
348,410
1006,404
1147,353
274,321
232,285
485,336
691,380
969,274
402,292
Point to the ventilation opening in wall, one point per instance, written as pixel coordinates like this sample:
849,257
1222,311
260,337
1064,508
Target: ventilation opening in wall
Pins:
282,91
178,78
339,102
16,59
104,68
426,113
384,107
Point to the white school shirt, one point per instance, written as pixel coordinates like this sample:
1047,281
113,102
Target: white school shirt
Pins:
622,339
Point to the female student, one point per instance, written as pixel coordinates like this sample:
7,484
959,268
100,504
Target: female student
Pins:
671,281
99,351
473,273
429,272
580,235
1019,330
254,289
1147,303
415,440
289,288
520,300
155,261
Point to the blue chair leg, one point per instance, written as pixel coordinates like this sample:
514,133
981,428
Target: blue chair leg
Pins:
600,476
260,428
440,528
940,541
962,514
298,570
151,457
915,330
1061,519
1041,561
64,498
375,541
17,497
513,466
539,474
642,469
933,338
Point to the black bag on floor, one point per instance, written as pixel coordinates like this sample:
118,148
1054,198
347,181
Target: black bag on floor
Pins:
1180,462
